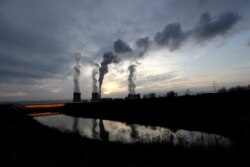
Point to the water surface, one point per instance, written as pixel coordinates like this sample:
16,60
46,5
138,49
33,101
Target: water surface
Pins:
131,133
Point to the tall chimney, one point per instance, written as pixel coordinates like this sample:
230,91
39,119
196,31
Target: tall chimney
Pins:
77,97
100,94
95,97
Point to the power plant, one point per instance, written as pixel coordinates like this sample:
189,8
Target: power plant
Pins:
102,70
77,94
120,47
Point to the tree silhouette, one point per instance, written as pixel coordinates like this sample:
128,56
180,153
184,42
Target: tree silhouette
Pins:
187,92
171,94
222,90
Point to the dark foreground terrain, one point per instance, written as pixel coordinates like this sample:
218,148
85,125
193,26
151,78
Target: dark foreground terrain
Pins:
25,142
227,114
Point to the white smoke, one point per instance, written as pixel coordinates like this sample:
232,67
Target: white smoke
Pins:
131,78
77,73
95,72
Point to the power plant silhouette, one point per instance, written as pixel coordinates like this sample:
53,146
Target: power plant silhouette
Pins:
102,70
77,97
96,97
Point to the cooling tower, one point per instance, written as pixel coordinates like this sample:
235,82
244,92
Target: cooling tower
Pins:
77,97
95,97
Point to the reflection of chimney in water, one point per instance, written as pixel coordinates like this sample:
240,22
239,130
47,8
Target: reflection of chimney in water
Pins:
104,135
94,133
134,133
77,94
75,124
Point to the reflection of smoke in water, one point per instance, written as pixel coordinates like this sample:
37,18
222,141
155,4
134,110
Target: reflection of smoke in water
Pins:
94,131
98,131
121,132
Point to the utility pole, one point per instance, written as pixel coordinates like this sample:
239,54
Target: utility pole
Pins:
214,87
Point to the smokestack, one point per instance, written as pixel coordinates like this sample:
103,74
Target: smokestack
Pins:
77,97
95,93
77,94
95,97
131,84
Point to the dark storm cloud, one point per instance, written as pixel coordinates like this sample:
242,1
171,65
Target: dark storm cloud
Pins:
171,37
121,47
209,27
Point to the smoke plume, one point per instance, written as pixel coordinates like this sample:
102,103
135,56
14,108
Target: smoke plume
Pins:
172,36
94,78
208,27
131,77
121,47
108,58
77,73
94,132
103,133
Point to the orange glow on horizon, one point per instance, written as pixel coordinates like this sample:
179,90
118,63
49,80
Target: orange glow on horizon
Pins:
36,106
43,114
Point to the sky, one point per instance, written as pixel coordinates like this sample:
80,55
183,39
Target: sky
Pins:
184,44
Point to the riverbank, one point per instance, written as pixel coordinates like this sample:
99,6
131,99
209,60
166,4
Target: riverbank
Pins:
223,113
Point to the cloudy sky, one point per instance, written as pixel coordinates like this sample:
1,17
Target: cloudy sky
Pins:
183,44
